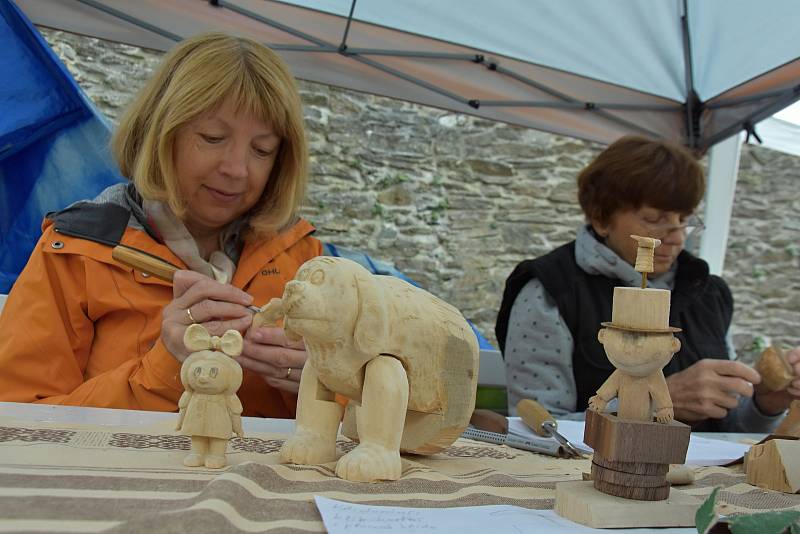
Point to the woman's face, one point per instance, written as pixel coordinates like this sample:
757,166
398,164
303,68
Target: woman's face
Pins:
223,160
668,226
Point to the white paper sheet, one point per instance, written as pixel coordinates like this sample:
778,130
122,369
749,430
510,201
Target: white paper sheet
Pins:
343,517
702,451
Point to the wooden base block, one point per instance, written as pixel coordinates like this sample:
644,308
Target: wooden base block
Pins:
579,501
623,440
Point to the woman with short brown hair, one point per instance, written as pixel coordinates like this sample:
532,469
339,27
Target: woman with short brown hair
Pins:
553,306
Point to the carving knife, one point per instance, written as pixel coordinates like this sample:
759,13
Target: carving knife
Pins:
543,424
158,267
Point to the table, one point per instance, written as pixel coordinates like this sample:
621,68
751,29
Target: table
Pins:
90,470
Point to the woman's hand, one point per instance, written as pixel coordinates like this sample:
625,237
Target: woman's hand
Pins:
709,388
775,402
271,355
199,299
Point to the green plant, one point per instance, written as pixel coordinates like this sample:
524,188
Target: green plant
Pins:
759,344
776,522
378,210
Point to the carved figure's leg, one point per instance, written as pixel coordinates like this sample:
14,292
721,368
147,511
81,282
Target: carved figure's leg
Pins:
215,458
197,454
380,420
318,417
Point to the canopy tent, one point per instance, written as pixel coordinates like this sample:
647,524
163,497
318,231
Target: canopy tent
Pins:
695,71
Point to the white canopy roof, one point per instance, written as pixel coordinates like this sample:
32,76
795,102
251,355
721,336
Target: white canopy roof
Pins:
695,71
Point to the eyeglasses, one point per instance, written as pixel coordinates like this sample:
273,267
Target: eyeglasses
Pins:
692,226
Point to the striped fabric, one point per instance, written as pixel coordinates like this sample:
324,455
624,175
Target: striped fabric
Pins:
71,478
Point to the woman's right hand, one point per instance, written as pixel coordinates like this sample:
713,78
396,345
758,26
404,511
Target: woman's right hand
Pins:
218,307
710,388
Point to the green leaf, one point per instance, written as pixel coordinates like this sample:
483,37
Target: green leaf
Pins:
766,523
706,516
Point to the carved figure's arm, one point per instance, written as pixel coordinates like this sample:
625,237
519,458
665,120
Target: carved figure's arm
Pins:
182,404
235,410
610,387
607,391
661,399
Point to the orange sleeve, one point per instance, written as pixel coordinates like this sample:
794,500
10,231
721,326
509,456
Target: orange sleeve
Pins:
46,340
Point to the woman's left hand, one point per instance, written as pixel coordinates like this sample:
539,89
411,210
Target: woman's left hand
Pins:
774,402
268,353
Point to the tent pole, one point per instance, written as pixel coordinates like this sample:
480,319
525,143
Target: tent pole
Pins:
723,168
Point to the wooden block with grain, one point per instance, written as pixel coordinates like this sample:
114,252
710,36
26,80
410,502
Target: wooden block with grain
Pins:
636,441
775,465
579,501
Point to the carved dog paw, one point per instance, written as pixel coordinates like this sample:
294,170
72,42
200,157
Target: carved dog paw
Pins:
369,463
306,448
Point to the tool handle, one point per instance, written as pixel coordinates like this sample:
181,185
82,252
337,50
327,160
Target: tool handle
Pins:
138,259
535,415
161,269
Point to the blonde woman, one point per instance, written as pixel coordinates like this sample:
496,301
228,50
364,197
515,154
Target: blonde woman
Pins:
215,154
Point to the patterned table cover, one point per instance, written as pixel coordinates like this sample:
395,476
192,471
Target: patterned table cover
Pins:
57,477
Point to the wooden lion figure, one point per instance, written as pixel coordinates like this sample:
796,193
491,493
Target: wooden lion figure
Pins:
209,410
406,360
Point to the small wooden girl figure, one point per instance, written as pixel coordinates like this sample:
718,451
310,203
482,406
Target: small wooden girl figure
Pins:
210,411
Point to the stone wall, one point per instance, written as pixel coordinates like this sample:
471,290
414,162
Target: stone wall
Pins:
455,202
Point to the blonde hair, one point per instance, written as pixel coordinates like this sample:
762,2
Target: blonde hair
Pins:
195,77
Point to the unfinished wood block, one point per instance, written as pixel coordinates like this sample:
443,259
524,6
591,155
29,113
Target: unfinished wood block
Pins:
790,426
636,441
776,373
407,361
775,465
579,501
680,475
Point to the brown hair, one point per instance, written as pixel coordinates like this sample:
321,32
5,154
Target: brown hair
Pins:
635,171
196,77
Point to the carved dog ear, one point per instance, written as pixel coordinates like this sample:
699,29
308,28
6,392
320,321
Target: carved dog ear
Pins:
372,324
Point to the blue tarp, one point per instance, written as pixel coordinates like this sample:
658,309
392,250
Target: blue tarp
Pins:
53,144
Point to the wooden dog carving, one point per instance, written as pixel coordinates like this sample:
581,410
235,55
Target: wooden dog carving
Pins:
407,361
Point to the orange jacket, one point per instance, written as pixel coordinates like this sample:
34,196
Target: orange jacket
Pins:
81,329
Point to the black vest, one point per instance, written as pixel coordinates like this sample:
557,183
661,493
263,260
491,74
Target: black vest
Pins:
701,305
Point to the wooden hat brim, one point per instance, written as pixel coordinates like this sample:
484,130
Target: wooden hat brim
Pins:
667,330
